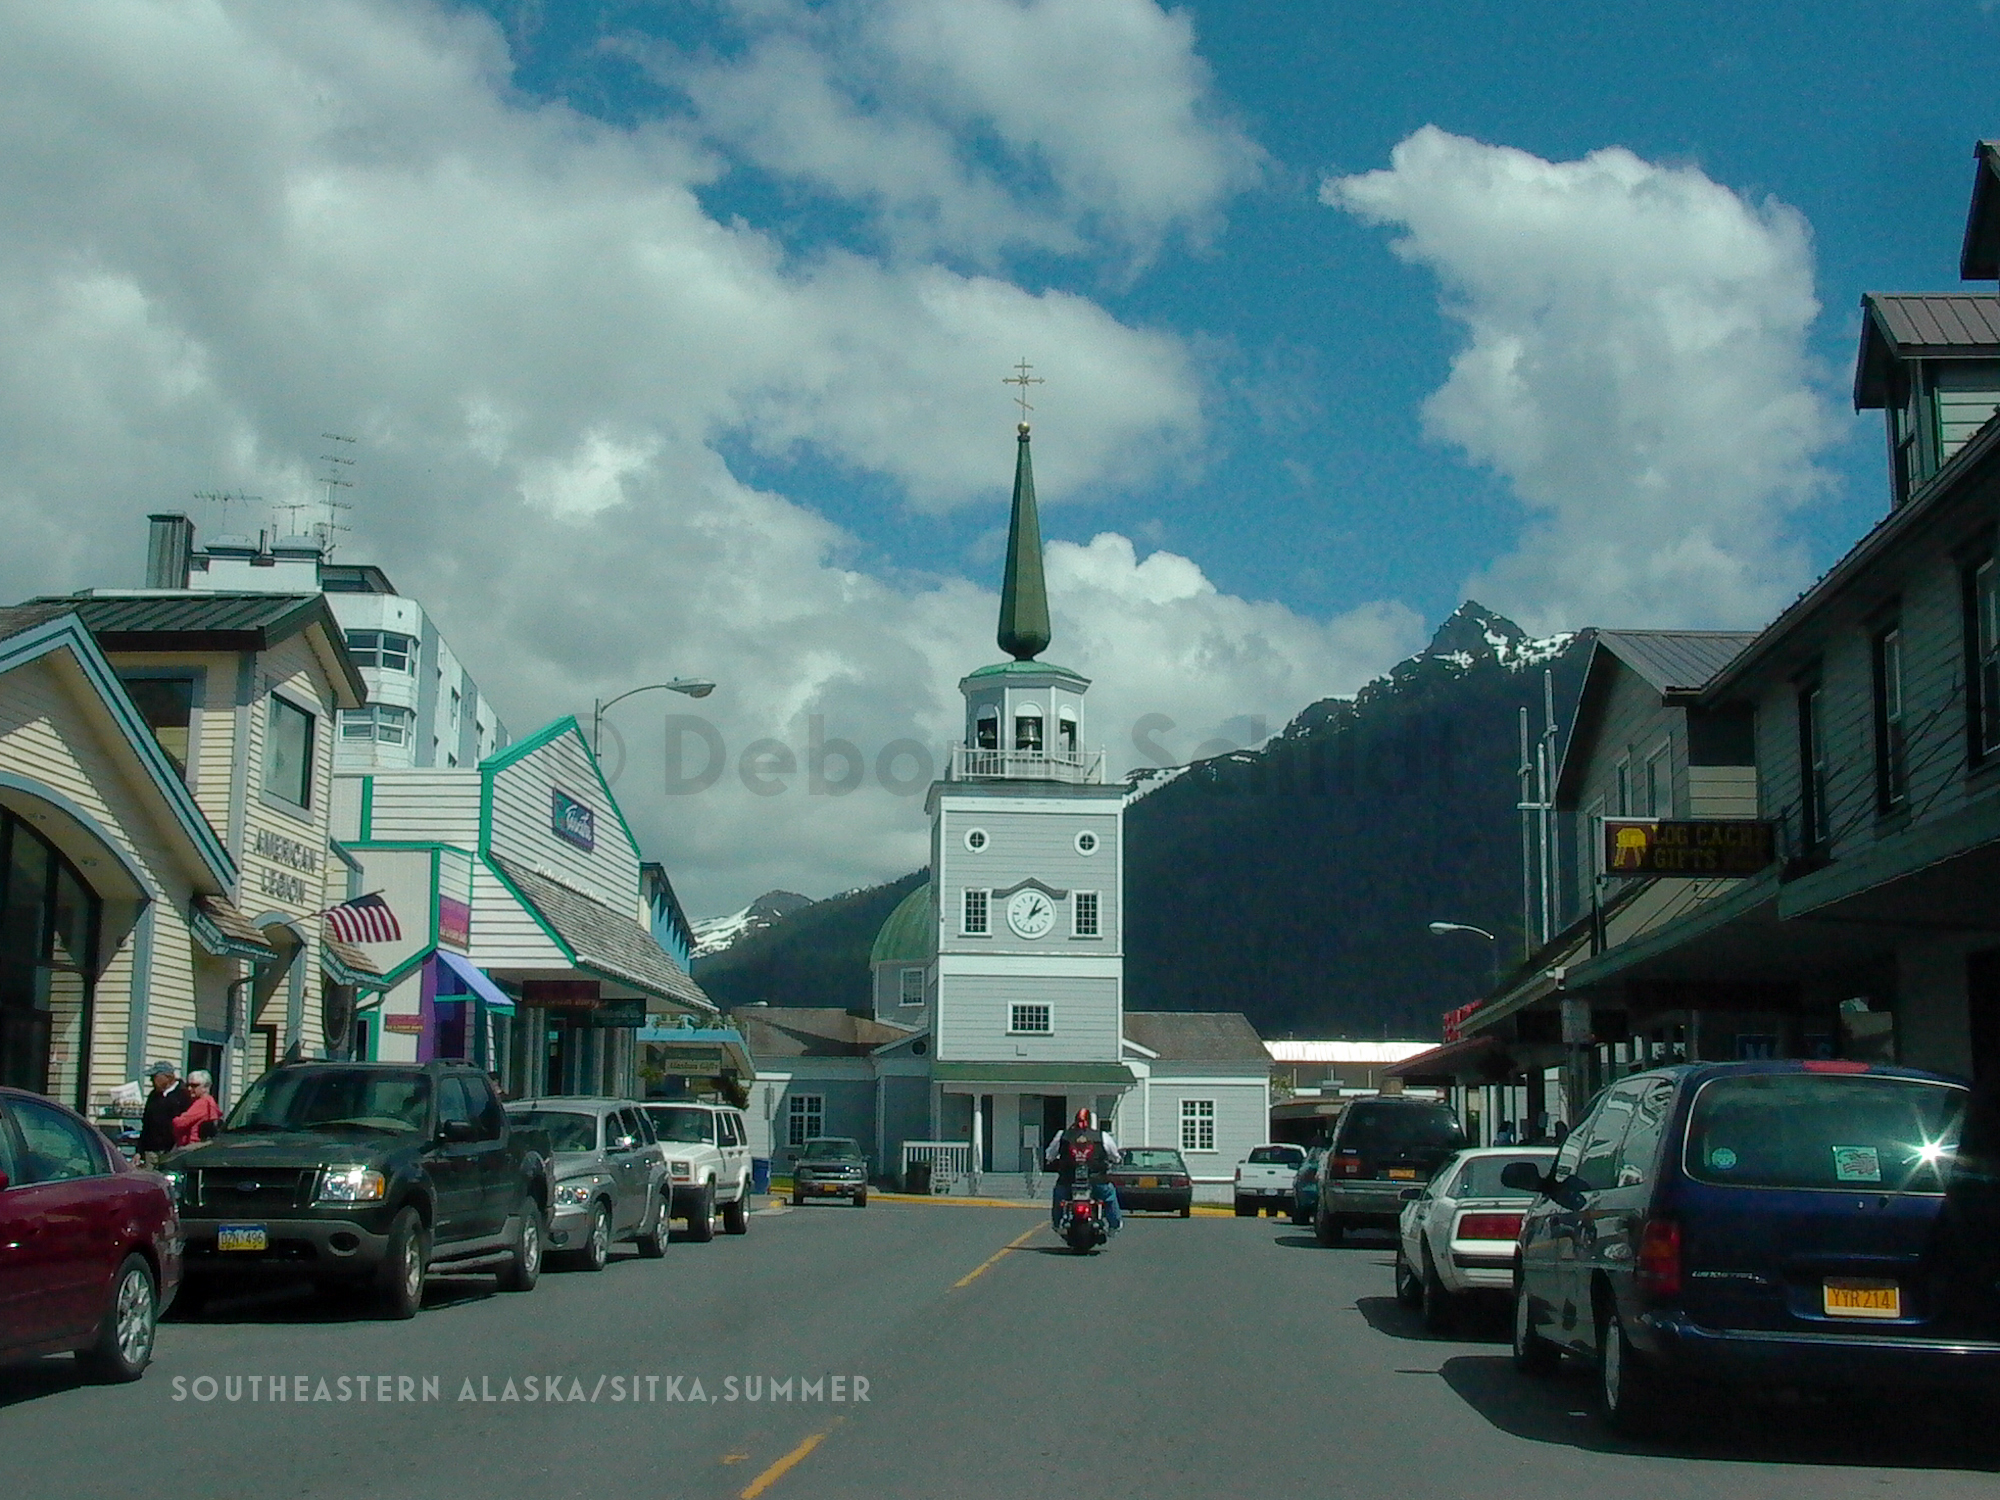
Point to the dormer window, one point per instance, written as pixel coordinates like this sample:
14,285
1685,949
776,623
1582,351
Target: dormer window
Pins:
1028,729
986,731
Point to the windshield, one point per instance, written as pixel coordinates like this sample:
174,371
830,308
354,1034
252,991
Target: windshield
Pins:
672,1122
301,1099
1152,1158
569,1129
1480,1176
1277,1156
1392,1128
1825,1130
831,1148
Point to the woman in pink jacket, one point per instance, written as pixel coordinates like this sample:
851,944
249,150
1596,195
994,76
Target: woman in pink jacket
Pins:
203,1112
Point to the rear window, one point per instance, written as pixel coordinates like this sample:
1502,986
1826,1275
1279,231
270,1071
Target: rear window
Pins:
1277,1156
681,1124
568,1130
1480,1177
1843,1131
1153,1158
1392,1128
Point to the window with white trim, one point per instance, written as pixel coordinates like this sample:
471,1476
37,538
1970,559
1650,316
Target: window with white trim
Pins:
381,722
386,650
912,987
1083,914
1031,1018
805,1119
1197,1124
975,913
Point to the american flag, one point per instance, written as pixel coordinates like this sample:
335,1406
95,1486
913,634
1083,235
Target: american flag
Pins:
365,919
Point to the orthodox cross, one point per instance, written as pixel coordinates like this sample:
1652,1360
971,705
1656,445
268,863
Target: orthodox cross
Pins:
1023,379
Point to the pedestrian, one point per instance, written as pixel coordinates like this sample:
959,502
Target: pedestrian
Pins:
199,1120
1504,1136
156,1125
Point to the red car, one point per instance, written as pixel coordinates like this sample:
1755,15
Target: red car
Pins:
90,1247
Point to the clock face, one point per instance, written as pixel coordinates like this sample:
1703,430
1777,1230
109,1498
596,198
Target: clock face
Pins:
1030,913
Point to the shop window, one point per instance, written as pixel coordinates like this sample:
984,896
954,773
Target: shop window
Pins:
49,924
288,753
167,706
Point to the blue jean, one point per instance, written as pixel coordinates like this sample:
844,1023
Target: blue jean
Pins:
1104,1192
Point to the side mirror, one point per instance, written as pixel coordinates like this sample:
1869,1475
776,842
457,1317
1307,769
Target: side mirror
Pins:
1411,1195
1522,1177
455,1131
624,1143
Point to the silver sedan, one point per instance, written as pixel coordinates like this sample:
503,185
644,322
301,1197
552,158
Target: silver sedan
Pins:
1455,1238
610,1177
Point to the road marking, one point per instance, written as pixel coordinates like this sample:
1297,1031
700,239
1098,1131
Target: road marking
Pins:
1014,1244
786,1464
734,1458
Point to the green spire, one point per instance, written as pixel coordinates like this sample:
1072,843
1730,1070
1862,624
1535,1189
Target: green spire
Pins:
1024,599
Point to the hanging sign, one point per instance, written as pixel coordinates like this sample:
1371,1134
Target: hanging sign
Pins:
1698,847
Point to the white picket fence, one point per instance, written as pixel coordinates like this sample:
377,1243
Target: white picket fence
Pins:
950,1162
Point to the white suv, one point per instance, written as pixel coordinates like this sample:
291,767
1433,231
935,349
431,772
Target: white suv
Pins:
707,1147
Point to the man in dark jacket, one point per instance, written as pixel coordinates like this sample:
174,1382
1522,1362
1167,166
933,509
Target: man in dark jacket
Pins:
1086,1149
156,1127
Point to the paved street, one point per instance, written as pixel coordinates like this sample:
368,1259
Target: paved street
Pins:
1203,1357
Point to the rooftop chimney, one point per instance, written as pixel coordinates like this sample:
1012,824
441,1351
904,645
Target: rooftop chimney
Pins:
169,542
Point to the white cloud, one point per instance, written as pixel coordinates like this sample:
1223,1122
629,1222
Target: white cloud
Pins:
229,229
1635,366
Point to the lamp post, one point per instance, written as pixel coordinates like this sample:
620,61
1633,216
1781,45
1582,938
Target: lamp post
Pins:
1443,929
694,687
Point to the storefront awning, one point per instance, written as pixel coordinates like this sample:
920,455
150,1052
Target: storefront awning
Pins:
1478,1059
475,982
1029,1075
224,931
346,964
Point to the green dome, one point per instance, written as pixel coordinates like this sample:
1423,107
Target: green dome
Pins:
910,934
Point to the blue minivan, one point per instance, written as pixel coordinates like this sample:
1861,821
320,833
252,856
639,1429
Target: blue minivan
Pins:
1775,1223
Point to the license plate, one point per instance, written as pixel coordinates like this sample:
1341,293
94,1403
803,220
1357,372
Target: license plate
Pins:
1853,1298
242,1237
1403,1174
1146,1182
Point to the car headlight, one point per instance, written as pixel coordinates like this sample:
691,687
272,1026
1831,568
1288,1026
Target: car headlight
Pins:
352,1185
572,1194
683,1171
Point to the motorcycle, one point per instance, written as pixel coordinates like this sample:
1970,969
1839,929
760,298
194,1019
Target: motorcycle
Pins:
1082,1226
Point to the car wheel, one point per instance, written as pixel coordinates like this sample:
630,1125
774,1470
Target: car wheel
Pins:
1187,1209
1439,1306
1409,1290
701,1217
402,1276
1631,1397
1245,1209
797,1200
652,1242
1533,1354
124,1345
1328,1230
596,1252
736,1216
860,1199
523,1267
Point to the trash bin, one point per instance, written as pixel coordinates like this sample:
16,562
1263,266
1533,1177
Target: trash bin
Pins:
760,1174
917,1177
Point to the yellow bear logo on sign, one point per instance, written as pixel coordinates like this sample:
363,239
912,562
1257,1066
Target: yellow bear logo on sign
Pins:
1632,843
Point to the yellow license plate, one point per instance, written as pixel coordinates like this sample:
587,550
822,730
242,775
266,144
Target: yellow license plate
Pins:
1149,1182
242,1237
1852,1298
1403,1174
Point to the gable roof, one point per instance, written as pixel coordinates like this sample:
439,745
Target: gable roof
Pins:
183,620
811,1031
1198,1036
601,938
1676,664
1920,325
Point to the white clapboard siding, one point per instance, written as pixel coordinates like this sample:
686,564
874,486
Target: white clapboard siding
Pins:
523,829
1722,791
504,934
431,806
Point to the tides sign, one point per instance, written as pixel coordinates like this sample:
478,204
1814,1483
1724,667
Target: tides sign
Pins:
1710,848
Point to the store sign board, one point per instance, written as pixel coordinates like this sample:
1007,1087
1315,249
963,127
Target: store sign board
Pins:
572,820
1701,848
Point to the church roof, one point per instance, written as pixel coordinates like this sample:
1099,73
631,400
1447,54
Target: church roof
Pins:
1025,669
909,936
1024,597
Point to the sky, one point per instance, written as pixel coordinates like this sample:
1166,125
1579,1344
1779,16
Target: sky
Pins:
670,335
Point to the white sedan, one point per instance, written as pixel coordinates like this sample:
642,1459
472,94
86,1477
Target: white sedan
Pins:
1456,1236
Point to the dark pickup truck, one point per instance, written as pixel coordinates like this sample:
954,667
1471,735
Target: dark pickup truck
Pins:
363,1175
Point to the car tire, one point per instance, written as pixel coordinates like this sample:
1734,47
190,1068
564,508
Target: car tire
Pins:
736,1216
1409,1290
1632,1398
652,1242
1440,1308
523,1267
860,1199
797,1201
1245,1209
124,1344
595,1254
1534,1355
1328,1230
701,1217
401,1283
1187,1209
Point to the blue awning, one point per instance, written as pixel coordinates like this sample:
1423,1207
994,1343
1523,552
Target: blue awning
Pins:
475,981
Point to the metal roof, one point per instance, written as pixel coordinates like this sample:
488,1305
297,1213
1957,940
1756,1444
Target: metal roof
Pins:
1676,661
1920,325
1289,1051
1197,1036
909,936
812,1031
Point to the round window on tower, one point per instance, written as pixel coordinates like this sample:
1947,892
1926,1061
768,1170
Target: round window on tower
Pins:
1086,842
975,839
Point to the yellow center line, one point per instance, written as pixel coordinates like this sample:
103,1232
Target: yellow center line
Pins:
786,1464
1014,1244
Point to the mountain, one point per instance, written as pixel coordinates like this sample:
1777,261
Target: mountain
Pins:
714,935
1294,882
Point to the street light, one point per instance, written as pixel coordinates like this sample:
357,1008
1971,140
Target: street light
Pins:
694,687
1444,929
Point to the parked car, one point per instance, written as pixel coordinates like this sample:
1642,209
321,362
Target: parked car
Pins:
707,1151
1264,1179
1456,1238
1154,1178
359,1174
830,1167
610,1180
1763,1223
90,1247
1380,1146
1305,1187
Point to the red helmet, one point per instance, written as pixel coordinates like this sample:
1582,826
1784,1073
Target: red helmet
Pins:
1082,1121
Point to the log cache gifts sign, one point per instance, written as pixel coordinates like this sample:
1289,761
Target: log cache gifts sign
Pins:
1709,848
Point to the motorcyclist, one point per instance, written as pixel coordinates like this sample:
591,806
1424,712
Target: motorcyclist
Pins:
1084,1147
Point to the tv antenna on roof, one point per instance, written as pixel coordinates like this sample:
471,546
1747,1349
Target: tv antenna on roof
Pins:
334,477
226,499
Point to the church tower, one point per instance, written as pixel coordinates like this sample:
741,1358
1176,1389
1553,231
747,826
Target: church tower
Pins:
1027,887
